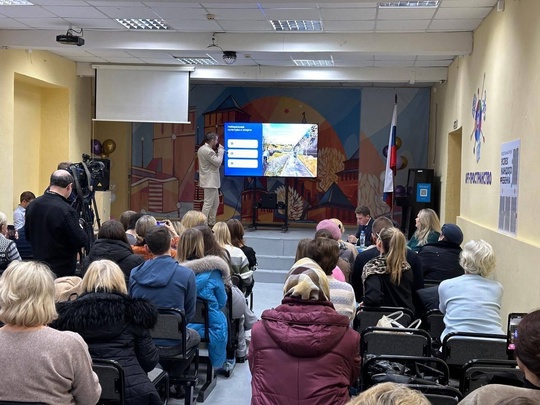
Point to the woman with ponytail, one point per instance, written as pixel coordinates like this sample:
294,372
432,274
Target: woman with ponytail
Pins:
388,279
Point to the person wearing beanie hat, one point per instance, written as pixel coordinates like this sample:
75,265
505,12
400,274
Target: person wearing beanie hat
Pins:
440,260
329,228
303,351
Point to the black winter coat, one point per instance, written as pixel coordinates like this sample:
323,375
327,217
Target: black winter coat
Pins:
115,250
116,326
440,260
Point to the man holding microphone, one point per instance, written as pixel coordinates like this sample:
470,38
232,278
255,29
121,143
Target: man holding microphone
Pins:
210,156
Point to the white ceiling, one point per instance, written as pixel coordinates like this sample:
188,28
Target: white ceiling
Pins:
367,44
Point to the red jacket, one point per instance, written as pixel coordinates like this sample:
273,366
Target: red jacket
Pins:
303,353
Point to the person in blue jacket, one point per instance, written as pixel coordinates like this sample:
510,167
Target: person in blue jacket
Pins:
211,274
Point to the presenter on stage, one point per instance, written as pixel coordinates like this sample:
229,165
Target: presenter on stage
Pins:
210,156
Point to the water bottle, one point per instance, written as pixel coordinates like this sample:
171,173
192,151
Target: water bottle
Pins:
362,239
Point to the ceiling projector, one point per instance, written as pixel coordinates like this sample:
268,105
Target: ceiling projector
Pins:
70,40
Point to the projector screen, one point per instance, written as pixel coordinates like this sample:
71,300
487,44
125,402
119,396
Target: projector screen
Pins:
142,93
271,149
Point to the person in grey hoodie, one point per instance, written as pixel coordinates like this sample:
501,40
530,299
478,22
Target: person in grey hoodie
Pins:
163,281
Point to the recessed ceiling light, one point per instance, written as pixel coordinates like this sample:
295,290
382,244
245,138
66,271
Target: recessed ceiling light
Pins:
417,4
186,60
15,3
144,24
314,62
296,25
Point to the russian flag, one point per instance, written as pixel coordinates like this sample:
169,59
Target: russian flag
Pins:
391,159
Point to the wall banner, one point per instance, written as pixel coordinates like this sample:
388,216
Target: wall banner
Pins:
509,187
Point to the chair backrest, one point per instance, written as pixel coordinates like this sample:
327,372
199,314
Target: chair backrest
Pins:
395,341
439,394
369,316
112,380
434,324
478,373
171,325
201,316
459,348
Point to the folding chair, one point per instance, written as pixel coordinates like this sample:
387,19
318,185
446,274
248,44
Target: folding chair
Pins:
478,373
458,348
395,341
112,381
438,395
434,324
369,316
171,325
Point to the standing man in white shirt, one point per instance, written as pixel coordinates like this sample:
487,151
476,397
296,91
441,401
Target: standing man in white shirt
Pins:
20,212
210,156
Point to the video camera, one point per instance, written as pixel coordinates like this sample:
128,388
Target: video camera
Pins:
85,174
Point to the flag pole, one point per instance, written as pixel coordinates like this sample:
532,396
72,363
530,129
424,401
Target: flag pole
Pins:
393,178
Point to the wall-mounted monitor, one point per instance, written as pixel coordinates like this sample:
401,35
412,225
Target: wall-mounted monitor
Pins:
271,149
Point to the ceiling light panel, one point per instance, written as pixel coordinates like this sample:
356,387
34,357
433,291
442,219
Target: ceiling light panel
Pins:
412,4
15,3
314,62
144,24
296,25
186,60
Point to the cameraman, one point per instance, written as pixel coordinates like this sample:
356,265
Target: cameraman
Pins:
52,226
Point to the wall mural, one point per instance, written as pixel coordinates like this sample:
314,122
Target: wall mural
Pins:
479,114
353,130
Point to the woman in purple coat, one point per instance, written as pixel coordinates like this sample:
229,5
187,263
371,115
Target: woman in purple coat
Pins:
303,351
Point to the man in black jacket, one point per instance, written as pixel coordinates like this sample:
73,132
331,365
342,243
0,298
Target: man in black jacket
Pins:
52,226
440,260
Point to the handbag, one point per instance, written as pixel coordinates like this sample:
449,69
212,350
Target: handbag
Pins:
391,321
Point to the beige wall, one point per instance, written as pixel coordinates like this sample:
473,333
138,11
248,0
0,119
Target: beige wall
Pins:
45,117
507,51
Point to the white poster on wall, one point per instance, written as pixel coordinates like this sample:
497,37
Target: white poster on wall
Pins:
509,187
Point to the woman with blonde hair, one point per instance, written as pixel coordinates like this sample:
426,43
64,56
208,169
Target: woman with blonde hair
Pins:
211,275
388,279
472,302
428,229
40,364
116,327
238,261
390,394
193,218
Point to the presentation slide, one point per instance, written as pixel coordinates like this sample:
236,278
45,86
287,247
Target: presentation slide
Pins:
270,149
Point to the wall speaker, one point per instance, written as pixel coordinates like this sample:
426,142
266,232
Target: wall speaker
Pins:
500,5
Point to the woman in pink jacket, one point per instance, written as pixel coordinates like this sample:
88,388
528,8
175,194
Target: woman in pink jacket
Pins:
303,352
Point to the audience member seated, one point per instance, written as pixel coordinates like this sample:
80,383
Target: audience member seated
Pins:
527,356
125,219
303,351
193,218
237,239
211,275
325,252
112,244
472,303
142,226
440,260
8,248
346,255
428,229
238,262
349,245
131,233
390,394
302,248
164,282
388,279
372,252
38,363
115,327
240,309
